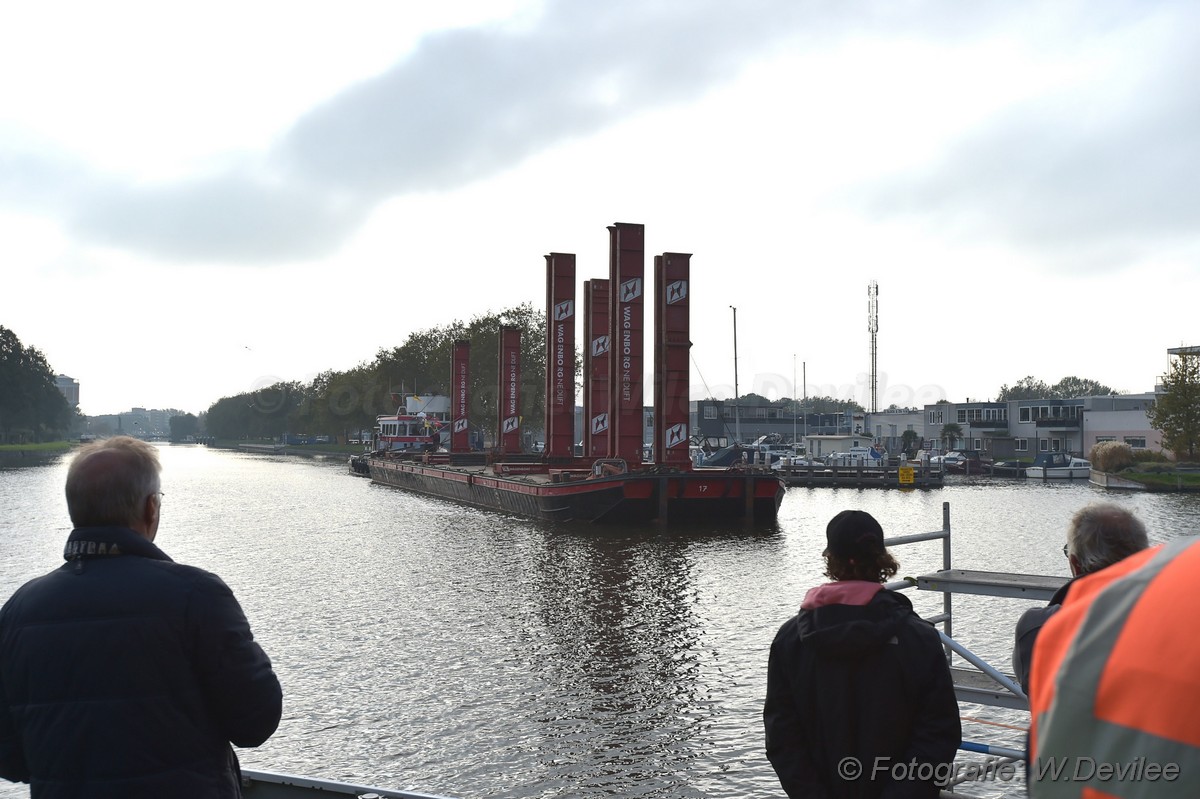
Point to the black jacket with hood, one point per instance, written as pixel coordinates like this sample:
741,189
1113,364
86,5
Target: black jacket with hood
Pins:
125,674
857,674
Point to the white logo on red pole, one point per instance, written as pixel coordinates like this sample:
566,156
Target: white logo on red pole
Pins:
631,289
510,424
460,425
564,310
601,345
599,423
676,434
677,292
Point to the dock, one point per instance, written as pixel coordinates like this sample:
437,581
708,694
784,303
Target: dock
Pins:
900,476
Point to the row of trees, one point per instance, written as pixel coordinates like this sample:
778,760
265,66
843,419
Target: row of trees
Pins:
32,408
1031,388
339,403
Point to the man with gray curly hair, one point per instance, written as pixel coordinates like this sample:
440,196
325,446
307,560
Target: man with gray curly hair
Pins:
1099,535
123,673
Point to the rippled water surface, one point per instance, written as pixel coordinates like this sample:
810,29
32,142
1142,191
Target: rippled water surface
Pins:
431,646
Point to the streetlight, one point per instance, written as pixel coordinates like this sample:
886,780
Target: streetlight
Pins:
737,422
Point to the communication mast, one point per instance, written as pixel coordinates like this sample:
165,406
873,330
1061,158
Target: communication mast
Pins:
873,327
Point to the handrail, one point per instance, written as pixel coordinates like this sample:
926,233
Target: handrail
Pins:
946,634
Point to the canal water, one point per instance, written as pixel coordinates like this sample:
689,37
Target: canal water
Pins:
439,648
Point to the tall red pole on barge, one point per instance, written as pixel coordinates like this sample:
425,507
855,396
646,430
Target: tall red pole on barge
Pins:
626,277
509,398
671,359
460,401
596,356
560,355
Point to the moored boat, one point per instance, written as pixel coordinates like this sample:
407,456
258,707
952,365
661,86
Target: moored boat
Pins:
1059,466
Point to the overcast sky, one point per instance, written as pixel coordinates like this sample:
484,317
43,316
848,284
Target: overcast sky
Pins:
198,201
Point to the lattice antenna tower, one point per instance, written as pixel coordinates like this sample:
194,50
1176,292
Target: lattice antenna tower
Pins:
873,327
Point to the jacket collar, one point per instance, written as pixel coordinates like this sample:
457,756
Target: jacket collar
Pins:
99,542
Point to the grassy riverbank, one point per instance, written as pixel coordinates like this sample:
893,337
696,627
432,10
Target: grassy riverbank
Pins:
1164,480
51,447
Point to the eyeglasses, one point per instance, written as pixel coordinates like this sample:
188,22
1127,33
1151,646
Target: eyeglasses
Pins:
1066,552
159,494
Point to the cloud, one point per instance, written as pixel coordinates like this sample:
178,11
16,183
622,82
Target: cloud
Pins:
468,104
229,218
1097,175
465,105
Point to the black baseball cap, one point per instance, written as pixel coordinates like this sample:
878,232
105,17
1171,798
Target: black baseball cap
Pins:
853,533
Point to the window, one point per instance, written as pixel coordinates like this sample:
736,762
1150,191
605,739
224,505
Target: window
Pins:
1021,444
1043,445
1025,414
727,411
962,415
975,444
1137,442
710,411
760,413
1105,438
935,417
1056,444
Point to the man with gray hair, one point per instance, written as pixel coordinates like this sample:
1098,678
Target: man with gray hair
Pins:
1099,535
123,673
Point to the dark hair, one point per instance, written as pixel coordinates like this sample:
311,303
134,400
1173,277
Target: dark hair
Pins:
875,567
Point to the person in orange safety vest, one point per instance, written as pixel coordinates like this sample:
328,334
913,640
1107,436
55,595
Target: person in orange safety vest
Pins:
1115,682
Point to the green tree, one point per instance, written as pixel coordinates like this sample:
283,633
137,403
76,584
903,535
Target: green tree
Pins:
1026,388
183,426
908,441
1176,411
823,404
31,406
1070,387
1031,388
951,433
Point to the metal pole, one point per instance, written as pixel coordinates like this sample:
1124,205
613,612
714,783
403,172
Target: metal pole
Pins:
737,422
804,367
793,402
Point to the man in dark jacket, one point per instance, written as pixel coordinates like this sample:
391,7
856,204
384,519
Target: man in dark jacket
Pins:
1099,535
123,673
860,702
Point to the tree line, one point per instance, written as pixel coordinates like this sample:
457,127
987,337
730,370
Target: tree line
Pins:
341,403
32,409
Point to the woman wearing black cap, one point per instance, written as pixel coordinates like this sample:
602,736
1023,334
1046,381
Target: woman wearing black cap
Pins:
860,702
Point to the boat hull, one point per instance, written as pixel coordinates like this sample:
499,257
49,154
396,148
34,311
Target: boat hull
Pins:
1058,472
638,496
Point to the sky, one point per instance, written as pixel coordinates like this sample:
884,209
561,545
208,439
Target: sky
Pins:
198,200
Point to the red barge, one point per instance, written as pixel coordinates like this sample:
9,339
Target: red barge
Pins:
611,481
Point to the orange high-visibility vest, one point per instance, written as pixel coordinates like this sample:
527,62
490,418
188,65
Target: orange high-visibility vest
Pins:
1115,682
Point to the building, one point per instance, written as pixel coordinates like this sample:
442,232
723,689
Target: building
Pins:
1024,428
722,422
69,388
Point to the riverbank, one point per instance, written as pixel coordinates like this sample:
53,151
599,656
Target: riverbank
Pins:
13,455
